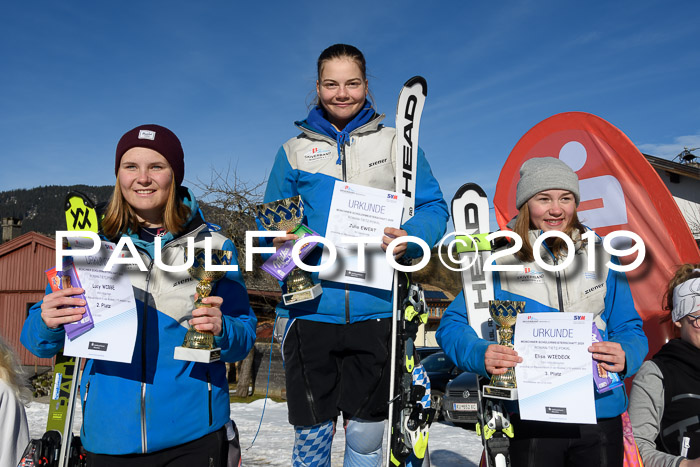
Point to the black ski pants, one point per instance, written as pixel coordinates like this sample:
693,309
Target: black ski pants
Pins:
542,444
208,451
337,368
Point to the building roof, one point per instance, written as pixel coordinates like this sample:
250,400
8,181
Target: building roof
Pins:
691,170
23,240
436,293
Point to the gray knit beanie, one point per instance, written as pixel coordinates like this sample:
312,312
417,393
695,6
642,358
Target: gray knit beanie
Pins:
542,174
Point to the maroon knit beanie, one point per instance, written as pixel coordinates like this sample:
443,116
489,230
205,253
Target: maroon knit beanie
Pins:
159,139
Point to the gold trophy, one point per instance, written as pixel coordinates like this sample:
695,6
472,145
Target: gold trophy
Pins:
504,313
198,346
286,215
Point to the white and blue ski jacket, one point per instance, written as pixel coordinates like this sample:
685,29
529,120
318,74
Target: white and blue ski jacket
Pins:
603,292
156,402
309,165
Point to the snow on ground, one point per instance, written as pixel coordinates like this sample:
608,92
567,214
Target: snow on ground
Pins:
449,445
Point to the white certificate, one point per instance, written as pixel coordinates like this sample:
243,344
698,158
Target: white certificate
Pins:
361,211
110,297
555,381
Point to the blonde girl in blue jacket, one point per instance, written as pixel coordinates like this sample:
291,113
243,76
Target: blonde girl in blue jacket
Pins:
155,410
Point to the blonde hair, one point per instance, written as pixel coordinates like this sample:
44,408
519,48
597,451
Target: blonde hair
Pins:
11,372
120,217
523,227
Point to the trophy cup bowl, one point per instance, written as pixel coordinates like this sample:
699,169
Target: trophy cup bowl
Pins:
286,215
282,215
505,314
198,346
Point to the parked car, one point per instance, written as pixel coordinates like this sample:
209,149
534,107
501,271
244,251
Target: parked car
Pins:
460,402
425,351
440,370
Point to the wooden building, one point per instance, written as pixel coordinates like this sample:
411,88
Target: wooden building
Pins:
23,261
437,300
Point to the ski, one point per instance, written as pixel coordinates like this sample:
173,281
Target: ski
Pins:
470,216
410,413
58,447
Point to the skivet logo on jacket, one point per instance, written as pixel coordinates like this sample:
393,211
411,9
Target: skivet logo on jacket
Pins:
531,276
317,154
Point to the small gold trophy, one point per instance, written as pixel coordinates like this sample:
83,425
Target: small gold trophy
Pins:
287,215
198,346
504,313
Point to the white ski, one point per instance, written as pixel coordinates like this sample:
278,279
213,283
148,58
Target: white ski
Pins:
408,114
470,215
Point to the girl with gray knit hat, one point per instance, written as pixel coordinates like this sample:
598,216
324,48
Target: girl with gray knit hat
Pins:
547,197
665,397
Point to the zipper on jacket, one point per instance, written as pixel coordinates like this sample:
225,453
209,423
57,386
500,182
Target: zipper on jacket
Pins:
557,276
559,293
87,389
343,163
211,418
347,304
347,289
144,438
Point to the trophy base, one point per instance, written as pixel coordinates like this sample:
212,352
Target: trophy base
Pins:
494,392
197,355
302,295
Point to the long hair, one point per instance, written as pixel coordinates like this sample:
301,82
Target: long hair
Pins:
523,227
11,372
120,217
341,51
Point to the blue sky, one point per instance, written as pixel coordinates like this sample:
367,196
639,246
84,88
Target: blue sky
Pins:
231,77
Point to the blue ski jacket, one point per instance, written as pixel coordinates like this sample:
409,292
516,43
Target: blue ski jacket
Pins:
309,165
604,292
156,402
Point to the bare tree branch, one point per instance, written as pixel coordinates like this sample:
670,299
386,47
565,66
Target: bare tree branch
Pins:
230,202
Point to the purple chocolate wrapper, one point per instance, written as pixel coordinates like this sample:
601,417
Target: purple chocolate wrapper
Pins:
69,278
604,380
280,264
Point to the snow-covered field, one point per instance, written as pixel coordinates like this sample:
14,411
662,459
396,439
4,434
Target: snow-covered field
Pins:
449,445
